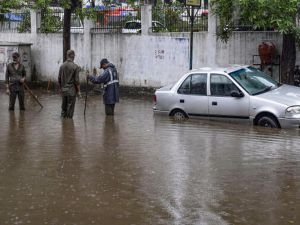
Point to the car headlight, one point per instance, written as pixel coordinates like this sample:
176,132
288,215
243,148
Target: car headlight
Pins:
293,110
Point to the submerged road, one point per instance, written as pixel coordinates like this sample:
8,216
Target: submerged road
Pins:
139,169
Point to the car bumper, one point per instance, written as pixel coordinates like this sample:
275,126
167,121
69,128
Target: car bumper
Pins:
156,111
289,123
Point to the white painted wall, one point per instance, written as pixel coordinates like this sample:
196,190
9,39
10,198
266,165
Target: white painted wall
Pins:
142,60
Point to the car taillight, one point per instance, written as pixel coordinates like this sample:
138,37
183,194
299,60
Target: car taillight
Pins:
154,99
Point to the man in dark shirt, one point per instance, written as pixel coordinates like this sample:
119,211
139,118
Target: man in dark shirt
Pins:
14,79
68,79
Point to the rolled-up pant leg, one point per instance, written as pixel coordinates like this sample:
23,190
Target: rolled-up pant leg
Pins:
64,104
68,106
109,109
71,106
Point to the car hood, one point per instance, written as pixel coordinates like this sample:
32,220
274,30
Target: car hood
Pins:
286,94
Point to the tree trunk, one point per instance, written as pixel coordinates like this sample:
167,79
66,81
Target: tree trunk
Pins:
288,58
66,32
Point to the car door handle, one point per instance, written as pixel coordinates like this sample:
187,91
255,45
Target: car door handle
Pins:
214,103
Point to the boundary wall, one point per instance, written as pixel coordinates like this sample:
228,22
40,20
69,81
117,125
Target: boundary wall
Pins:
143,60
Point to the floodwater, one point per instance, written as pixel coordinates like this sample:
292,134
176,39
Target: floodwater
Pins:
139,169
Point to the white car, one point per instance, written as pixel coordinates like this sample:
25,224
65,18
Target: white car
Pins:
239,92
135,27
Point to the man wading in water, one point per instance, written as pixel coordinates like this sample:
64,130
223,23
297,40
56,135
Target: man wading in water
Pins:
68,80
14,79
111,85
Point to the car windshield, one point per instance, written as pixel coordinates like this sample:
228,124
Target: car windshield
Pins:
253,80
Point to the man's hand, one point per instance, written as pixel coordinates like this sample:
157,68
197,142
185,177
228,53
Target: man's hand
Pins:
79,95
94,71
22,80
7,91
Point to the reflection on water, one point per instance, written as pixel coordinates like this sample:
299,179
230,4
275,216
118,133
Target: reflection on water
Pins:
136,168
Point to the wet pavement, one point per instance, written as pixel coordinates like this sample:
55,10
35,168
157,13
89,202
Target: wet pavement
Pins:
140,169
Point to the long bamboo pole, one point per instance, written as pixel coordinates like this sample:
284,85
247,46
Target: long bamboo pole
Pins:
31,93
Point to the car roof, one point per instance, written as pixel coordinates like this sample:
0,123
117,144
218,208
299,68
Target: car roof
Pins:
138,21
215,69
133,21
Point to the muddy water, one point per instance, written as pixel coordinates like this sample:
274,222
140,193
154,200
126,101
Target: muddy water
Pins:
137,169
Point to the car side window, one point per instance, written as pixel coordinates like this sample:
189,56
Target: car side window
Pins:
185,87
220,85
137,26
195,84
132,25
198,84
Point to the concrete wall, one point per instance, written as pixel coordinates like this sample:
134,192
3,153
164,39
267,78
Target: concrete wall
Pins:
149,60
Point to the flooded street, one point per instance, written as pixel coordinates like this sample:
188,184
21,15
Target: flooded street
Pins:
139,169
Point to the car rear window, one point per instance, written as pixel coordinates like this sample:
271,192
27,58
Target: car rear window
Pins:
133,25
195,84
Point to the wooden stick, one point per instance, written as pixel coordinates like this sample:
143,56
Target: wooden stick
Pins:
86,94
30,92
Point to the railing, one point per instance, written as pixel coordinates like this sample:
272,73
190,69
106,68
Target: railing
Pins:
177,19
18,22
52,22
238,25
112,20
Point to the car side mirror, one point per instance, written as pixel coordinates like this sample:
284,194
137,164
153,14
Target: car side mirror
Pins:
237,94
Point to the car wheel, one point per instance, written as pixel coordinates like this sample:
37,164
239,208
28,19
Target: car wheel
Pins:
267,121
178,114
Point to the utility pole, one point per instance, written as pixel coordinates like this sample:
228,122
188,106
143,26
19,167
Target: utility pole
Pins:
191,5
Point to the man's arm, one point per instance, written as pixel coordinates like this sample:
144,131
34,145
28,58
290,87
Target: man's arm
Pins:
59,77
103,78
23,74
7,79
77,82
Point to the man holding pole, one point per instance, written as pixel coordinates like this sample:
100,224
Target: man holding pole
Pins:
111,85
68,80
14,79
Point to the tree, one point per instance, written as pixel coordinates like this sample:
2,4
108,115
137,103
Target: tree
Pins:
5,6
70,6
279,15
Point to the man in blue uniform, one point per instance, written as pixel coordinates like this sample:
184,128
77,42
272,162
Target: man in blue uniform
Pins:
111,85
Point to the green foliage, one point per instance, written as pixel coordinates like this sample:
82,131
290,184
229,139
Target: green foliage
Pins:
172,18
5,6
169,16
279,15
25,25
50,22
224,10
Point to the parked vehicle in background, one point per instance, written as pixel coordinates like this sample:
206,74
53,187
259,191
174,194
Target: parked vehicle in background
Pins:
135,27
132,27
238,93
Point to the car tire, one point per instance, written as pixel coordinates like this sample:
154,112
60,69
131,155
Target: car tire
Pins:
179,114
268,121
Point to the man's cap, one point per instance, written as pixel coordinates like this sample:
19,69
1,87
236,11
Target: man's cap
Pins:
103,61
15,55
